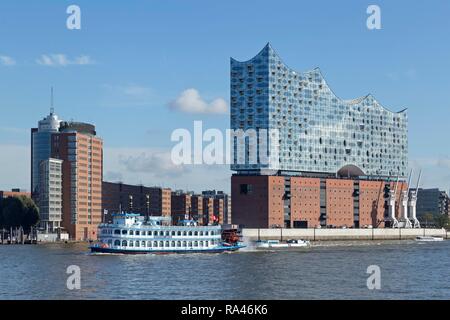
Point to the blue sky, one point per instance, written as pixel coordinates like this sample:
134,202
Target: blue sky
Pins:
131,59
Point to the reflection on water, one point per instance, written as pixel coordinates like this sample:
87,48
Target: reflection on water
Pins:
327,270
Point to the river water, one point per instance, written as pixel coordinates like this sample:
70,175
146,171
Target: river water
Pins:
409,270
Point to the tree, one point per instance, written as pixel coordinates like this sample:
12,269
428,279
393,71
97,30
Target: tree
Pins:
19,212
428,218
442,221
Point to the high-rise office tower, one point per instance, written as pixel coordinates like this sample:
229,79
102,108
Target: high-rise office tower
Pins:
82,171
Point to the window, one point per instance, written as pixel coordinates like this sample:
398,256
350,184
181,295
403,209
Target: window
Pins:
117,243
131,232
246,188
124,232
117,231
124,243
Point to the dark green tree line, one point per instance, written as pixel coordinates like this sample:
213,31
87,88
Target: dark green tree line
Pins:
16,212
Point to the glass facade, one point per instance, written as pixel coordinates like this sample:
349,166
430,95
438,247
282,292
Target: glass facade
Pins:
318,132
41,146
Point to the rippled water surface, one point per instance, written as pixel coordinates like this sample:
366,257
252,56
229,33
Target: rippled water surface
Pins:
409,270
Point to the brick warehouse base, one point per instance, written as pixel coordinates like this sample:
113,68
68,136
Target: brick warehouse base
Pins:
302,202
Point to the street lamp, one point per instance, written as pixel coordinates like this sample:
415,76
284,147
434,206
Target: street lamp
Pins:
131,202
147,196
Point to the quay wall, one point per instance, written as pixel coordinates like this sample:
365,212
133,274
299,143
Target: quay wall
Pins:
340,234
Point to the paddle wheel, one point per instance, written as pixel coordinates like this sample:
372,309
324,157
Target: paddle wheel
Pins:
231,236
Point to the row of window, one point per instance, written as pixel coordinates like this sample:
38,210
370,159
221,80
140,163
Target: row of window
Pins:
159,233
163,244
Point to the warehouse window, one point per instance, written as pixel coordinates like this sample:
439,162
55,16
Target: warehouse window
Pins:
246,189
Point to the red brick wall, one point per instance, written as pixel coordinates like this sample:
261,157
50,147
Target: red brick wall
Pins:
275,188
305,201
208,210
89,202
218,210
371,203
340,202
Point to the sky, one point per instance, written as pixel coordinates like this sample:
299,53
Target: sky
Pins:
138,70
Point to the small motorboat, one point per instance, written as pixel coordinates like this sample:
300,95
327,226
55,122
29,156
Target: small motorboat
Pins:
268,244
276,244
429,239
298,243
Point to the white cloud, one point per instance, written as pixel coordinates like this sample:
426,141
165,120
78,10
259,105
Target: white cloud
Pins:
127,95
7,61
153,167
61,60
131,90
190,101
113,176
156,162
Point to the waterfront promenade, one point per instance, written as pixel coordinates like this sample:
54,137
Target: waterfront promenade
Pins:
341,234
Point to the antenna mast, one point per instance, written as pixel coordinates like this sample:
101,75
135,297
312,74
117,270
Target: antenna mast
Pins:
52,109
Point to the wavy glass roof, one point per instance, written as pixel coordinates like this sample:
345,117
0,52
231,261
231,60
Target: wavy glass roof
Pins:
319,132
